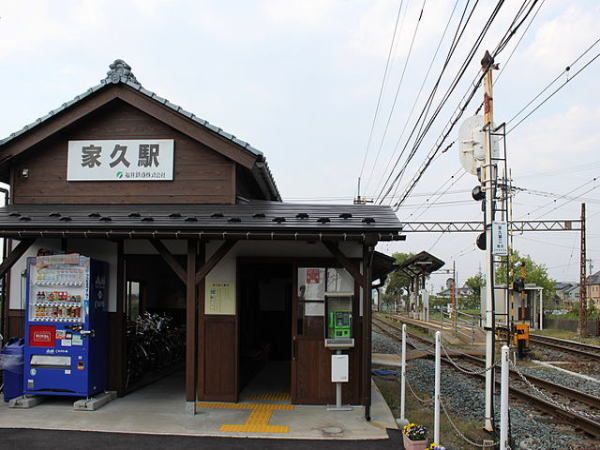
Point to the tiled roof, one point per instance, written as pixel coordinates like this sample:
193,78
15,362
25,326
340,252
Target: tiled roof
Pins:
252,216
593,279
120,72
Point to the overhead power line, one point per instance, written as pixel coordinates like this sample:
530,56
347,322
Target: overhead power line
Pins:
381,88
567,81
424,129
393,108
460,29
418,96
502,44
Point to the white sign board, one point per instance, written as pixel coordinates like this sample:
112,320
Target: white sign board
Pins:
499,239
121,160
339,368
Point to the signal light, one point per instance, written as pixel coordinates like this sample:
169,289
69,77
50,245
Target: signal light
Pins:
481,241
519,285
477,193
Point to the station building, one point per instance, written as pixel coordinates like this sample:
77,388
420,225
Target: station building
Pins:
190,217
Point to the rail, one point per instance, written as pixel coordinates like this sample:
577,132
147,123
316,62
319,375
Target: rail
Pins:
580,420
580,348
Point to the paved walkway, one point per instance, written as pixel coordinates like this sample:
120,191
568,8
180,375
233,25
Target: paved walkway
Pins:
160,409
17,439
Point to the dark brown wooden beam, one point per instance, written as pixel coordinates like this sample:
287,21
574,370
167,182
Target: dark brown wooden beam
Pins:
368,250
345,262
14,256
191,324
214,260
201,358
169,259
121,317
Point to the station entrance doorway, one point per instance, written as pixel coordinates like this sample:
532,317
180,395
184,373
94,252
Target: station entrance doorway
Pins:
265,333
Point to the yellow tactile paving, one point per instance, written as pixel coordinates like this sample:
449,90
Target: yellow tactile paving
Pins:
271,397
257,422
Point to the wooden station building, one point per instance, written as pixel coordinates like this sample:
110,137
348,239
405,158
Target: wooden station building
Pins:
192,215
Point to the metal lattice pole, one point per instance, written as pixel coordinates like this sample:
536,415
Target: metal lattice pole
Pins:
582,280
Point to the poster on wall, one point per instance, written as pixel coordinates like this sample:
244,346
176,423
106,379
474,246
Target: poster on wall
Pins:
121,160
220,298
311,283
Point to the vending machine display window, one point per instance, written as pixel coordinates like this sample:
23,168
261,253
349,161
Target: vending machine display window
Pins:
56,292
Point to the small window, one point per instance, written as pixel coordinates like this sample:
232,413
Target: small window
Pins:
133,299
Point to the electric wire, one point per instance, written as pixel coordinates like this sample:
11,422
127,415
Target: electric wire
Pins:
393,108
435,201
567,81
466,100
381,88
460,29
436,148
505,63
559,198
565,71
418,96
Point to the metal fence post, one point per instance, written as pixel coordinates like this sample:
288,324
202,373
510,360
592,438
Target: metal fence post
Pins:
403,377
504,399
436,408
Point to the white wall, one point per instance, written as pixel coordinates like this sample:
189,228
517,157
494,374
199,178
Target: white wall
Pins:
225,271
17,272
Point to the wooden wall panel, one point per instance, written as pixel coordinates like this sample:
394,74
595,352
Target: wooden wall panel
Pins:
220,359
201,175
16,323
313,385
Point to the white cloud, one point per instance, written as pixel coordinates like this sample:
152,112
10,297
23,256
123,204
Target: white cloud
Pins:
562,38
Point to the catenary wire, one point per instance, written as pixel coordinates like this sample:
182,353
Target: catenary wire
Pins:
460,29
393,108
382,87
466,99
436,148
418,96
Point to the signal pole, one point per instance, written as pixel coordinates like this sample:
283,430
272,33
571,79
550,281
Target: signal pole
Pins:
488,182
453,296
582,279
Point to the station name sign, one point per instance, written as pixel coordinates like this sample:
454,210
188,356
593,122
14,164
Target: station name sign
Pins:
122,160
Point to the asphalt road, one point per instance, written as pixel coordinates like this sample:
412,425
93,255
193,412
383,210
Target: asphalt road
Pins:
43,439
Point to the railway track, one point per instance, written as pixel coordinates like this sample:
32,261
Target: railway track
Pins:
580,404
579,348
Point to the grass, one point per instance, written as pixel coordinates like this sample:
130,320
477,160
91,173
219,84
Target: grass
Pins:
571,335
419,413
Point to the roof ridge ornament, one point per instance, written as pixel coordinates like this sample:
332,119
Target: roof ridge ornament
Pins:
120,71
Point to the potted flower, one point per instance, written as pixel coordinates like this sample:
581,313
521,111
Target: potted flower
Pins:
414,436
434,446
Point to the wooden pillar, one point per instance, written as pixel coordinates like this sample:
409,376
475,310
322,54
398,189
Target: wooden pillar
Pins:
191,328
368,249
200,333
121,317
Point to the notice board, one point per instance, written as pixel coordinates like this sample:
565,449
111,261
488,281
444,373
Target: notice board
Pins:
219,298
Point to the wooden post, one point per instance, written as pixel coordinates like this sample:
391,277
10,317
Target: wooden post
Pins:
191,329
582,280
368,249
121,318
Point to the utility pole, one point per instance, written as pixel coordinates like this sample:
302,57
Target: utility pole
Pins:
582,280
453,295
488,182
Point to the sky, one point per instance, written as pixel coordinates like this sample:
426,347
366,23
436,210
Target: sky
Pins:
300,81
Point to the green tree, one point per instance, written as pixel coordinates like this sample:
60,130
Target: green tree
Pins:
533,272
475,283
397,283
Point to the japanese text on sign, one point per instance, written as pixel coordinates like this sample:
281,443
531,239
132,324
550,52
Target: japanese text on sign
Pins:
123,160
499,239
